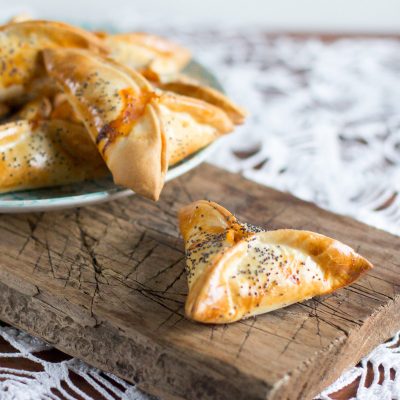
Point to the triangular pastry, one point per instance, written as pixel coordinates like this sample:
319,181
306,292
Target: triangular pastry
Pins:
155,57
39,153
236,270
138,129
20,45
183,138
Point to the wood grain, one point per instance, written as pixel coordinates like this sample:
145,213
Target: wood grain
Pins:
106,284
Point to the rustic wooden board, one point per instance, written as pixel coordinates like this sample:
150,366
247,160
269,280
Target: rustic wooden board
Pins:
106,284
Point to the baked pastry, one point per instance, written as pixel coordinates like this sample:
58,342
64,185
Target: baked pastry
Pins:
208,94
4,110
155,57
138,129
34,110
236,270
20,44
36,154
181,141
54,73
62,109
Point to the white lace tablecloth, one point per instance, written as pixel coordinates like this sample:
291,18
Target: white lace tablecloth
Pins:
324,125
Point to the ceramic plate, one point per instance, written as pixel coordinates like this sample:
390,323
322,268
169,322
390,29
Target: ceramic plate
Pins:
100,190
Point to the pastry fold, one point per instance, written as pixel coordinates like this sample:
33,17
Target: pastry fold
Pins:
208,94
236,270
36,154
20,45
155,57
138,129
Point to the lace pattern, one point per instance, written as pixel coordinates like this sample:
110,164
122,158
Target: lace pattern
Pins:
52,380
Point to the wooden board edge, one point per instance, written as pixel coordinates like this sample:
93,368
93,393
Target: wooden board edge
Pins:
326,366
94,343
169,376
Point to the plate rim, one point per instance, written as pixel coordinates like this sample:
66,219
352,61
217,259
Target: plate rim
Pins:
80,200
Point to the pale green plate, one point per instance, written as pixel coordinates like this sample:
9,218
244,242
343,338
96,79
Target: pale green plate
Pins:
100,190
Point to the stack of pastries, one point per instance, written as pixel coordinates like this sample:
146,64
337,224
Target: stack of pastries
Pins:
77,105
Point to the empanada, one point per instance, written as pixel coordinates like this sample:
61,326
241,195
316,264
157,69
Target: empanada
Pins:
181,143
46,153
20,45
236,270
157,58
138,129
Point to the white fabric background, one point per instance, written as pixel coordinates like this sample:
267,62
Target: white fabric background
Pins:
304,15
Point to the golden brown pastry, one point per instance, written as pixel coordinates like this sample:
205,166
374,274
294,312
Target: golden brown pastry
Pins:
236,270
157,58
208,94
46,153
20,44
183,140
34,110
137,128
62,109
190,124
4,110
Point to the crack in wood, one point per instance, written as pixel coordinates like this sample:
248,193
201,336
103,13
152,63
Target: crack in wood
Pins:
37,262
366,290
314,313
335,311
176,279
294,336
361,291
170,316
145,257
136,246
140,288
49,257
89,249
163,305
163,270
246,336
32,226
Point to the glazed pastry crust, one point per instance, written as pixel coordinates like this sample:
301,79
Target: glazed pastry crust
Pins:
115,104
36,154
20,45
137,128
105,87
155,57
34,110
185,134
190,124
208,94
236,270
